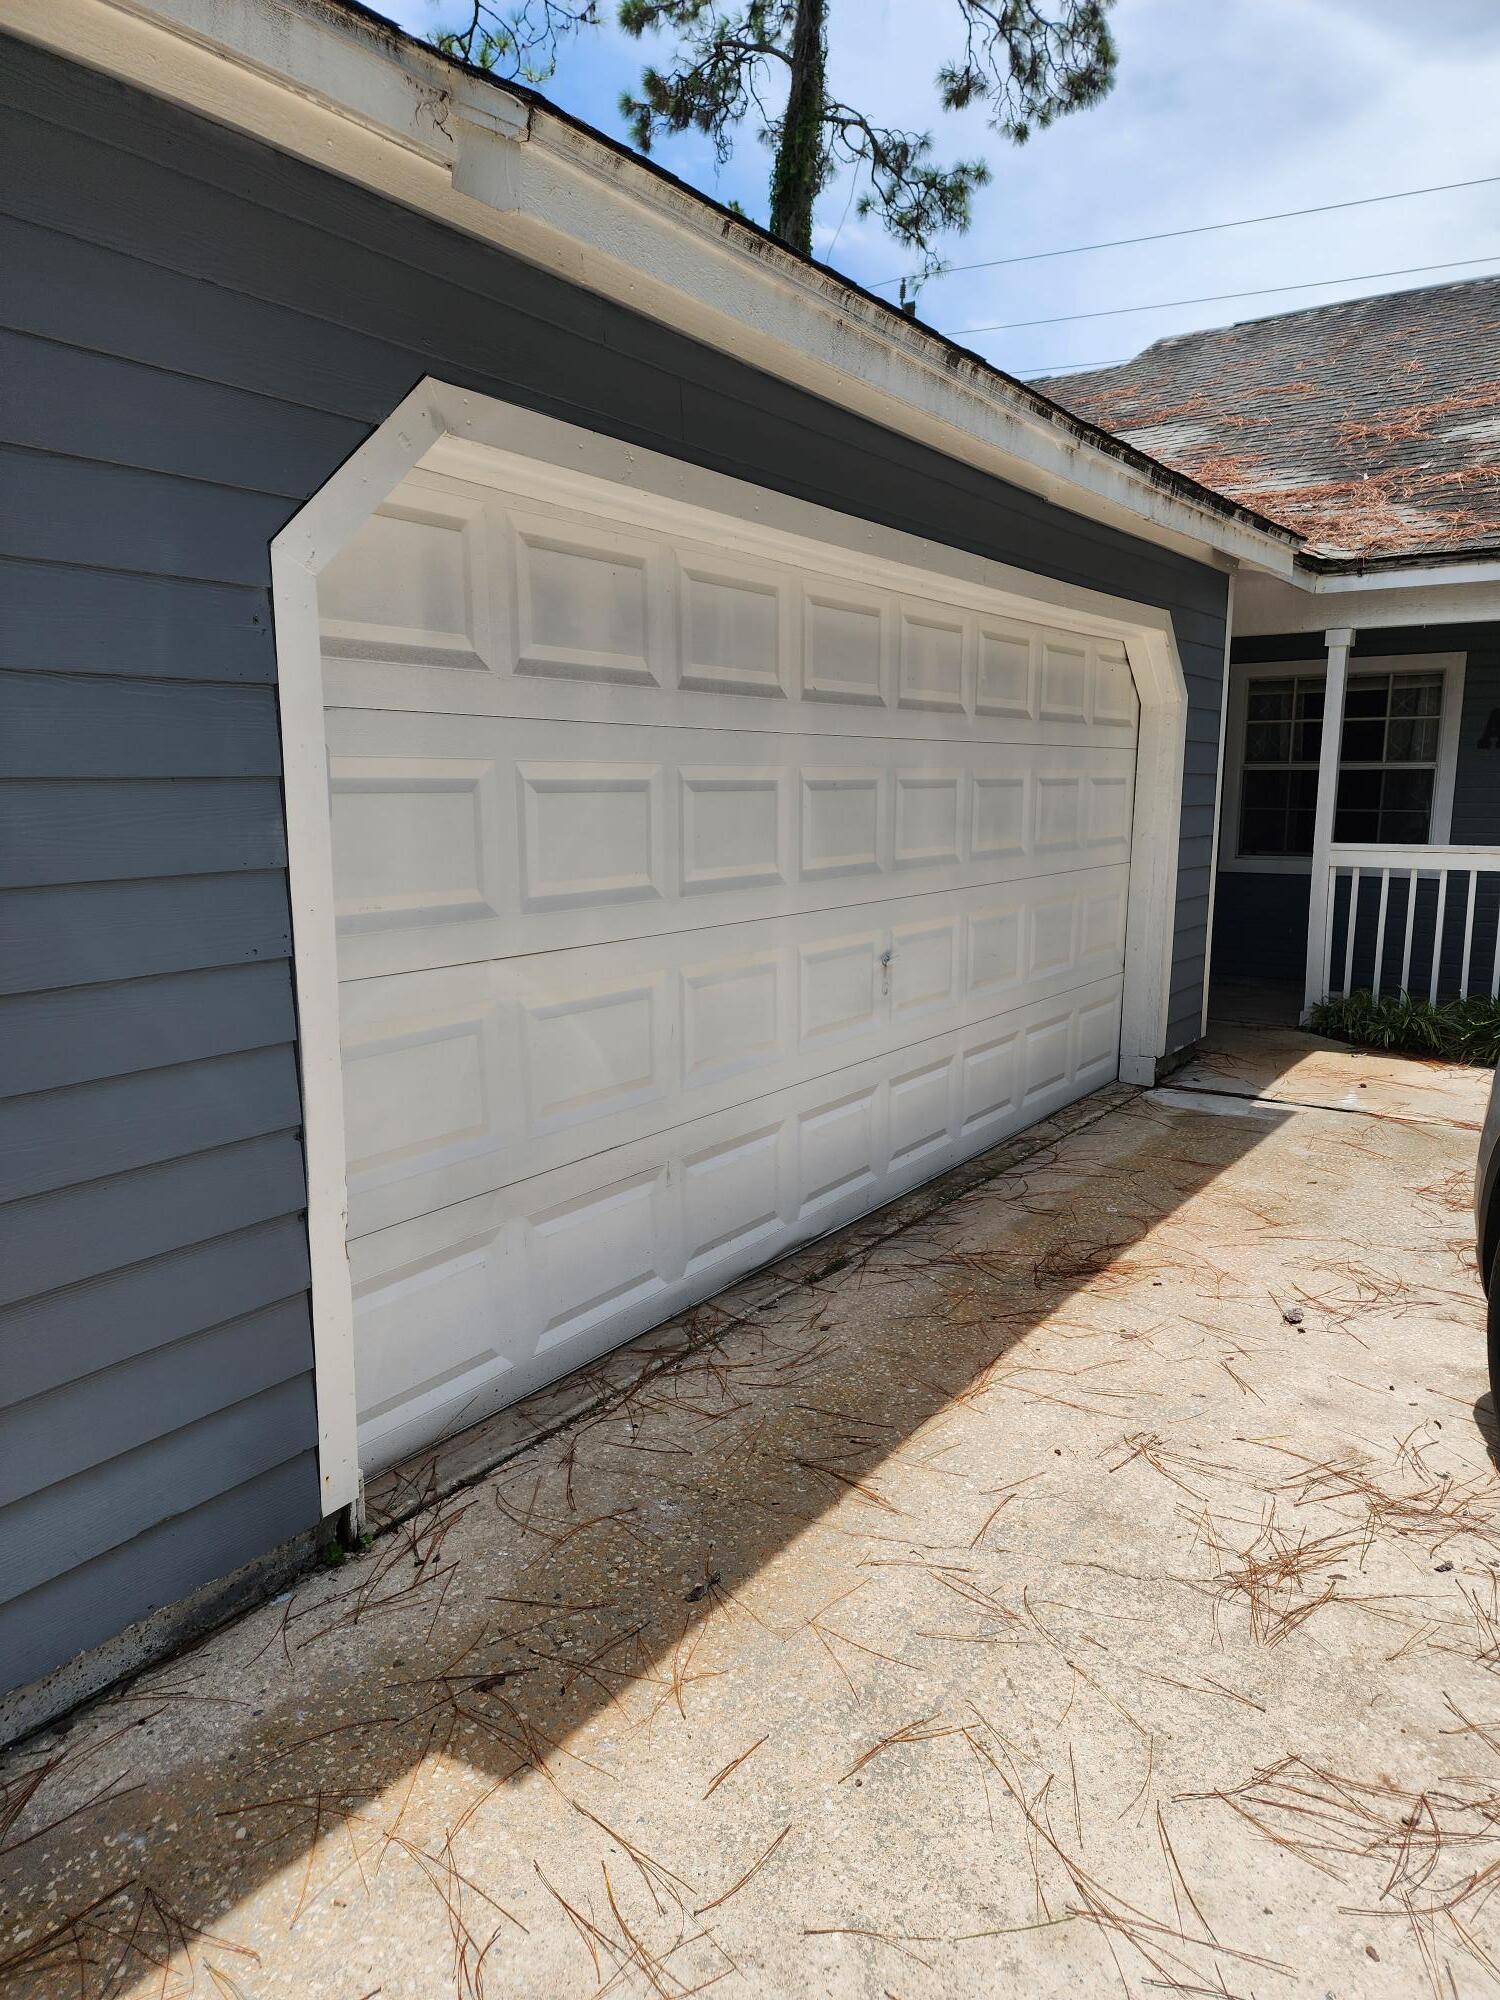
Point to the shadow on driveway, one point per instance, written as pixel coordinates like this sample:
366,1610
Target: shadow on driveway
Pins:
632,1677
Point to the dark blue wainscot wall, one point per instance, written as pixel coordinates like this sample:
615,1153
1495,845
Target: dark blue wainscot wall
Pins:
1260,927
194,332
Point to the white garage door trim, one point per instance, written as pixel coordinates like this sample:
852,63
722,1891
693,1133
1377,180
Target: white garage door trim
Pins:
561,458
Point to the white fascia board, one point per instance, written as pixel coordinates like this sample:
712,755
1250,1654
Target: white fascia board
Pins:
328,87
1439,582
1431,594
333,59
655,248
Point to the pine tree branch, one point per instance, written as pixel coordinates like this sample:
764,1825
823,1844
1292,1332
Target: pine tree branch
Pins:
1028,62
1030,67
523,43
713,92
915,199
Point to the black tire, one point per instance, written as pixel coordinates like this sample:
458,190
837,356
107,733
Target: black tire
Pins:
1492,1322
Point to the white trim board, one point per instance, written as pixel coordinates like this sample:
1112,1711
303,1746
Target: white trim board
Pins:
439,425
1451,666
1425,594
1216,835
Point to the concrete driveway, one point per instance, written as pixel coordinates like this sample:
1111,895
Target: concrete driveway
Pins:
1084,1578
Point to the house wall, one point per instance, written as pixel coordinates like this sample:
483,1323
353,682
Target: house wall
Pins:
195,331
1260,927
1476,776
1260,920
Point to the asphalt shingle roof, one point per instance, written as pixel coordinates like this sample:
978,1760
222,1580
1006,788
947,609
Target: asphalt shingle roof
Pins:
1372,427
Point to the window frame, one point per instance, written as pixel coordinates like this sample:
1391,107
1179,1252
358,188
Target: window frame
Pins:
1241,678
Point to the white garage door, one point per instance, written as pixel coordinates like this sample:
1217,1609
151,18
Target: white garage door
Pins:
698,889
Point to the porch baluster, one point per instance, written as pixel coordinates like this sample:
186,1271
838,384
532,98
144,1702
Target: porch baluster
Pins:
1385,896
1411,912
1437,936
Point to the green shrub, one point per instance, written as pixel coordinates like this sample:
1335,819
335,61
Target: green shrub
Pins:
1461,1031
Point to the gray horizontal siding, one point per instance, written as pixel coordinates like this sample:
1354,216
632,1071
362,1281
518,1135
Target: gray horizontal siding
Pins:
57,1138
53,727
104,516
156,1406
101,1226
60,1336
151,1396
83,621
92,406
196,332
87,932
98,830
61,1524
48,1040
85,1606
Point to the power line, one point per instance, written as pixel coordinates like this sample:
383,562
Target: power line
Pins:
1197,229
1034,369
1218,298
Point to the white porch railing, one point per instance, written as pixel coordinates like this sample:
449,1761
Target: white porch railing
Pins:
1404,919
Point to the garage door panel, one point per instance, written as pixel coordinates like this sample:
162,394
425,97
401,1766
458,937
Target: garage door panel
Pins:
462,1079
590,834
735,630
416,586
698,887
433,1336
421,1086
736,827
1112,697
934,658
847,646
479,838
587,605
500,1294
843,681
1097,1036
562,608
417,842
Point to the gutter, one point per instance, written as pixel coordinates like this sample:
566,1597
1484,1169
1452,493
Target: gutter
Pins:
1450,566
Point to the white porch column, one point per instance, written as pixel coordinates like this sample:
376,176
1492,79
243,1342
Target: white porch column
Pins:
1338,642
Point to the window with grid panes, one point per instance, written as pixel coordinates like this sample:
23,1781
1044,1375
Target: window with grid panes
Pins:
1388,758
1279,788
1387,761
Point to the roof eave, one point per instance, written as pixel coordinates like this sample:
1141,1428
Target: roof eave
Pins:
333,83
1480,554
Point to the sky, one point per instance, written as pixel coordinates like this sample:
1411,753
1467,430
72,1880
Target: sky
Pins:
1222,109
